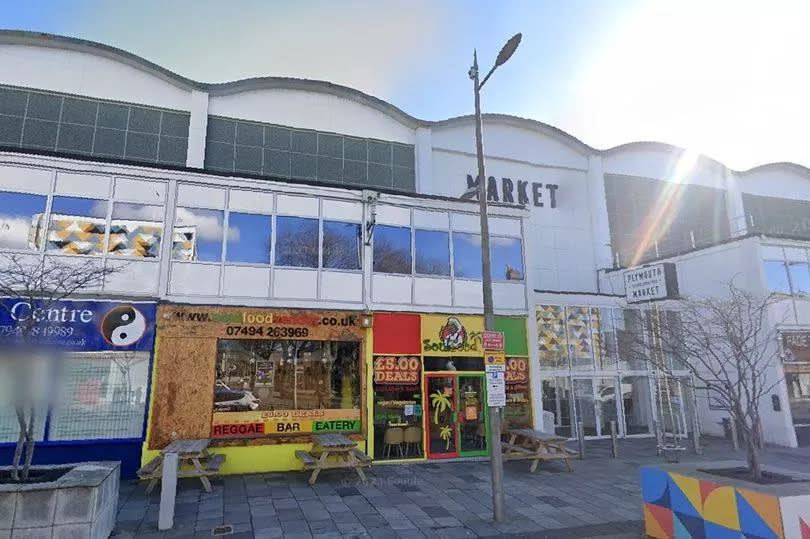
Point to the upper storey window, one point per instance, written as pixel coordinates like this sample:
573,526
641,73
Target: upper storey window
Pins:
38,120
255,148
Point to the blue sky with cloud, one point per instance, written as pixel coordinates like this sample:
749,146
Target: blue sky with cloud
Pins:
724,77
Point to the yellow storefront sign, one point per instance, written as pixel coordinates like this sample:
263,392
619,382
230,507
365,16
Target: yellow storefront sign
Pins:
495,358
259,424
452,335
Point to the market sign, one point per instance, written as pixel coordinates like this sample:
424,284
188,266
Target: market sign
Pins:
651,282
796,346
492,340
281,422
517,370
391,370
78,325
444,335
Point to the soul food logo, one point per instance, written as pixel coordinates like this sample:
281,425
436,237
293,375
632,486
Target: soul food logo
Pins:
453,337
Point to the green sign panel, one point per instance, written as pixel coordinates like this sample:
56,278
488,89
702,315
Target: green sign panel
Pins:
336,425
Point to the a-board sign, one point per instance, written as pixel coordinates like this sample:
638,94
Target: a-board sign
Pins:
651,282
492,340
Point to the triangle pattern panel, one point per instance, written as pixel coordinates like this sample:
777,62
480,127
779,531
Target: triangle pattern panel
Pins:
680,501
658,522
720,507
654,485
805,528
688,526
716,531
759,514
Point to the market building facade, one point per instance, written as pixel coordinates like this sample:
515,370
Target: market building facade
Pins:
304,201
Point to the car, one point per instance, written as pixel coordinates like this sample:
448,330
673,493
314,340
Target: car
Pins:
234,400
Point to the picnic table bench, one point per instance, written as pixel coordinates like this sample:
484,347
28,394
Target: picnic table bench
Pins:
193,459
333,445
535,445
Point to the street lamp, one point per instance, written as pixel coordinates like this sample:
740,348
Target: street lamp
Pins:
489,314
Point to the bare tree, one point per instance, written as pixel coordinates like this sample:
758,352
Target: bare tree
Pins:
41,282
727,346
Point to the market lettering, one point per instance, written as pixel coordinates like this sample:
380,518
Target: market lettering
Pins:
22,311
646,292
508,188
340,425
237,429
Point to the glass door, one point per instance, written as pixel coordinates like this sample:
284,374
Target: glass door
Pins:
441,416
472,415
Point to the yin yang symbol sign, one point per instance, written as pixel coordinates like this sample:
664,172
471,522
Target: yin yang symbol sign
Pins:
123,326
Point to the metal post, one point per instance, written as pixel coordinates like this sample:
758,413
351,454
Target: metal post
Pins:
732,425
496,459
614,440
168,492
695,421
581,438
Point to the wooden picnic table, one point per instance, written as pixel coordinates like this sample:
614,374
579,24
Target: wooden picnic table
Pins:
333,445
535,445
191,454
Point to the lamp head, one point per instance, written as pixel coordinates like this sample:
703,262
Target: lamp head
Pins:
508,49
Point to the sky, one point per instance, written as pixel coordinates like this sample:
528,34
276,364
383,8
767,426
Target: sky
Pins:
726,78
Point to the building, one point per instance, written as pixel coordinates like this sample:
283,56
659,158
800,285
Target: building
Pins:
314,203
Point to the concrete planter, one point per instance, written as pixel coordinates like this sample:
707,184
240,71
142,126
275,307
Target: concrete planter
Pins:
80,504
680,501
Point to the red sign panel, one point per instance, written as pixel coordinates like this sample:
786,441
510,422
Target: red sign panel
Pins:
389,370
492,340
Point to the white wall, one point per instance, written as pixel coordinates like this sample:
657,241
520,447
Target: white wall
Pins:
776,181
311,110
86,74
663,163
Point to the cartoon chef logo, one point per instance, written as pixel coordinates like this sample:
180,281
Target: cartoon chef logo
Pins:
452,334
123,325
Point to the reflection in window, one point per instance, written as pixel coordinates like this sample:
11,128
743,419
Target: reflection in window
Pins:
296,242
342,245
432,252
507,259
557,400
20,212
609,356
100,396
392,249
136,230
606,407
77,226
800,277
248,238
270,374
198,235
777,277
467,255
637,404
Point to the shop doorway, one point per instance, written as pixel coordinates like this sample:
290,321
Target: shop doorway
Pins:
456,421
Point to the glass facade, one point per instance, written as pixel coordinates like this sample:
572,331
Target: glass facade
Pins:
273,150
51,121
594,371
778,216
787,270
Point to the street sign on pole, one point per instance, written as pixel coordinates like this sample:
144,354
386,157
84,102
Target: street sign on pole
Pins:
492,340
494,358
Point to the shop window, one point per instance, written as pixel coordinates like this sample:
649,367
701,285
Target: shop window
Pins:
296,242
584,401
101,396
432,251
506,259
467,255
518,411
800,277
776,275
580,343
636,404
454,363
36,394
198,235
77,226
629,337
798,387
19,212
248,238
263,375
557,401
397,407
608,357
136,230
342,245
606,405
392,249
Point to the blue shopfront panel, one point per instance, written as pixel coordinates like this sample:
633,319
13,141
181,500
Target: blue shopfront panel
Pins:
99,410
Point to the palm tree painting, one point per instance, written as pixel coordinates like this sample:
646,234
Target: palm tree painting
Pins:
440,403
444,434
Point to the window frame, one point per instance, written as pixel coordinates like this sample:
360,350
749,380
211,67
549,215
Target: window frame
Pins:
411,242
448,234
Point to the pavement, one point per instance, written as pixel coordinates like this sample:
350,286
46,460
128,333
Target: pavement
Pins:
447,500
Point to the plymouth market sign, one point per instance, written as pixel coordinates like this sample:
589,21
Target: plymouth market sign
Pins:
651,282
517,191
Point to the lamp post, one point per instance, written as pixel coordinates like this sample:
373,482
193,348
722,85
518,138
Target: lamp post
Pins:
496,459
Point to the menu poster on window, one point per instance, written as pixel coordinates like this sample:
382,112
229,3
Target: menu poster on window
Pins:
796,346
517,370
265,373
396,370
290,422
